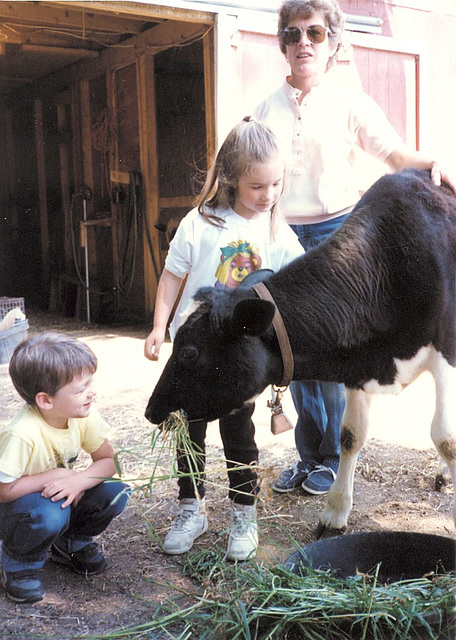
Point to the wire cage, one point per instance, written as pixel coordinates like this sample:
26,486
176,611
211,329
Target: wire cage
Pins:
10,337
7,304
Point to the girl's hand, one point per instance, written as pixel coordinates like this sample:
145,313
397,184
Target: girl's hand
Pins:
153,343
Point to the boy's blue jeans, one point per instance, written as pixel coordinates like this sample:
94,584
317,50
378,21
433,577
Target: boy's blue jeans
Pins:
29,525
319,405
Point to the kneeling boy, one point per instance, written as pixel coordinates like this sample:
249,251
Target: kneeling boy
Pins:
45,504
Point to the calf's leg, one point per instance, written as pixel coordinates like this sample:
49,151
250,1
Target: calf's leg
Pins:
353,435
443,428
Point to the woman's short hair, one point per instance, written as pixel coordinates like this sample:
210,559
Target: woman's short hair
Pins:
329,9
47,362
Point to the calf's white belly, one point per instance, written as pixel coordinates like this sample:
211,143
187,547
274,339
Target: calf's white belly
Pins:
407,372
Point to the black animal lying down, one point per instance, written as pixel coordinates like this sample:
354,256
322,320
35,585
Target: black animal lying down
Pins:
372,307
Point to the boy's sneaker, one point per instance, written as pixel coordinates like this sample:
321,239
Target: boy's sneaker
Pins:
190,523
22,586
293,477
243,538
321,479
87,560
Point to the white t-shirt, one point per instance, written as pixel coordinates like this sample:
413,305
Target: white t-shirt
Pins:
319,139
221,257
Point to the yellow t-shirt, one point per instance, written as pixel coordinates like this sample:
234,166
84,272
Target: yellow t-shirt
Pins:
28,445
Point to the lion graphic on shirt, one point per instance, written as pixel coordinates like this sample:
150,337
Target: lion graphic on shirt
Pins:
237,260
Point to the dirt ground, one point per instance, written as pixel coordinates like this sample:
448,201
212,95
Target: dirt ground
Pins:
393,490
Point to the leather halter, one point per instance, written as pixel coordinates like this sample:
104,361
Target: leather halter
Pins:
282,335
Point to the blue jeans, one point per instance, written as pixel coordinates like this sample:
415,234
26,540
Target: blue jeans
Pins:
319,405
29,525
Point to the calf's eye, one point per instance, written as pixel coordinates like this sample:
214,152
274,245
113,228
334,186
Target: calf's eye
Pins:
188,354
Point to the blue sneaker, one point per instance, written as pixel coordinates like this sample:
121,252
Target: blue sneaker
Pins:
293,477
87,560
320,480
22,586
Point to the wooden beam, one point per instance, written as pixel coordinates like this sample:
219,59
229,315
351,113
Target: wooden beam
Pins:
60,15
78,167
149,170
35,40
63,51
113,155
161,37
86,138
176,201
122,177
9,81
64,166
145,11
42,194
88,40
9,152
209,95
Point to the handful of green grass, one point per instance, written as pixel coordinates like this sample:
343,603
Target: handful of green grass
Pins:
176,422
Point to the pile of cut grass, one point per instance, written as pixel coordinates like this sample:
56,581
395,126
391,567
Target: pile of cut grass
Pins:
254,601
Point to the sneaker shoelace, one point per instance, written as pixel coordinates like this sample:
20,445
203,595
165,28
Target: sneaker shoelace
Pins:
321,467
241,521
299,469
182,518
25,575
295,471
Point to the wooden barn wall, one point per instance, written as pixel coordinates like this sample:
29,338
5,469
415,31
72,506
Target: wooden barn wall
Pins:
55,221
20,233
99,120
99,135
127,215
181,148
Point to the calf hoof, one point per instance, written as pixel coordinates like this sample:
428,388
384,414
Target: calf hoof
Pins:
323,531
440,482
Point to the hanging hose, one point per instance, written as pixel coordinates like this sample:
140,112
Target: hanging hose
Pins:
130,231
129,238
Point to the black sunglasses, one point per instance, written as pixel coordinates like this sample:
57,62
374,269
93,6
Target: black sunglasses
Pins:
315,33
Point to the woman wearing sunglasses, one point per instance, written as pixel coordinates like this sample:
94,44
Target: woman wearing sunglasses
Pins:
319,126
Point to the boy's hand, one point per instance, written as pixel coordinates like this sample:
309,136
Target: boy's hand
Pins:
68,487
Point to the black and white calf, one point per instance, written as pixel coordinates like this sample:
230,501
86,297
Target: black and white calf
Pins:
372,307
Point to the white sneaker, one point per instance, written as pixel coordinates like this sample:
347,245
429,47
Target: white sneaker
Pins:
190,523
243,538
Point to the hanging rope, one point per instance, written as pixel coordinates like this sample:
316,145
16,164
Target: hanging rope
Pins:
129,228
104,139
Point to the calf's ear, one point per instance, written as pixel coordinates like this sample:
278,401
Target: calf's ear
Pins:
252,317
